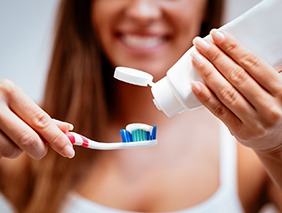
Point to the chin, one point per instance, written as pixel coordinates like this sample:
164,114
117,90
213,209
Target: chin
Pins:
157,73
157,70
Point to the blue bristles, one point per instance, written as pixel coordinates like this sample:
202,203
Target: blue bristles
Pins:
125,135
138,135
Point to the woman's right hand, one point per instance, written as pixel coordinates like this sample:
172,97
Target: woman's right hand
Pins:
25,127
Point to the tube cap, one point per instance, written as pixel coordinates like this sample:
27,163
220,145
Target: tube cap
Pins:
133,76
165,98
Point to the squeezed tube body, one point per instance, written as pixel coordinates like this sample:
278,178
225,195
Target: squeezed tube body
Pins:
259,29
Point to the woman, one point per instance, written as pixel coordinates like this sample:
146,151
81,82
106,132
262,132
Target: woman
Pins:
185,172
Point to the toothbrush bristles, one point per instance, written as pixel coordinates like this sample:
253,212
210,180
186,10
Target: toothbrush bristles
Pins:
138,135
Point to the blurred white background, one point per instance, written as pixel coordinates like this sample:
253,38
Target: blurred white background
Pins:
26,39
25,42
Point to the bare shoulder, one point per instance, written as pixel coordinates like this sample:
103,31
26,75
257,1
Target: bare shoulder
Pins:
255,186
249,163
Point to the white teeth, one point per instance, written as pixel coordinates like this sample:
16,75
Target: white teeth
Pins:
141,41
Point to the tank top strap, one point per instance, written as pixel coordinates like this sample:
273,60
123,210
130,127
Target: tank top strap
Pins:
228,160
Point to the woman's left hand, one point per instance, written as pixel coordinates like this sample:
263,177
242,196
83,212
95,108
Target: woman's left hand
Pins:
241,90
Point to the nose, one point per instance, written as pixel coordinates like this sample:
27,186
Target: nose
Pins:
143,11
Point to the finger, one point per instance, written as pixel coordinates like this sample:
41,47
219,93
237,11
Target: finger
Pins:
21,134
209,100
256,95
64,126
223,90
37,119
8,148
255,66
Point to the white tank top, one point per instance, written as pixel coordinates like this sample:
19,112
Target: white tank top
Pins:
225,199
5,205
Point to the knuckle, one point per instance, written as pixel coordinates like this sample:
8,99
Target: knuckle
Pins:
274,115
27,140
215,56
31,145
206,100
219,111
40,120
216,108
250,61
259,130
57,143
228,96
238,76
231,47
11,152
7,147
206,73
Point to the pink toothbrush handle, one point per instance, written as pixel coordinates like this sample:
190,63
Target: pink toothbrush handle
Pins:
77,139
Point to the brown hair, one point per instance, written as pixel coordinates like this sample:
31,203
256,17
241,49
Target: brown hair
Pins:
77,91
213,18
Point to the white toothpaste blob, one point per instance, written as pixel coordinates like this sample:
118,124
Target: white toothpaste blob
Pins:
135,126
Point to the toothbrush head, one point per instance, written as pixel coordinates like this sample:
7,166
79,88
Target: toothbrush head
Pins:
138,132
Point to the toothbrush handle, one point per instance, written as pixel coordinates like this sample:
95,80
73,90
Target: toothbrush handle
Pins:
77,139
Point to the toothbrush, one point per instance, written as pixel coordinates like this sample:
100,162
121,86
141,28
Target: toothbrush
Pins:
135,135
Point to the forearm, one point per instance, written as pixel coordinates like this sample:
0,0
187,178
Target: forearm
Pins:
273,165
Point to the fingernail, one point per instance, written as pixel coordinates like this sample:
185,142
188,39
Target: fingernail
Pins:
197,58
69,151
218,35
201,43
71,127
196,87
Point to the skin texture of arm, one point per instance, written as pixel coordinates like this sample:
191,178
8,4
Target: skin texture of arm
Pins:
272,162
256,188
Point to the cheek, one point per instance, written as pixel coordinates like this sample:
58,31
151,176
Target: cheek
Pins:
100,24
104,18
186,29
188,17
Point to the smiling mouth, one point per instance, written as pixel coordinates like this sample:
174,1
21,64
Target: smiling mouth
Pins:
142,41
